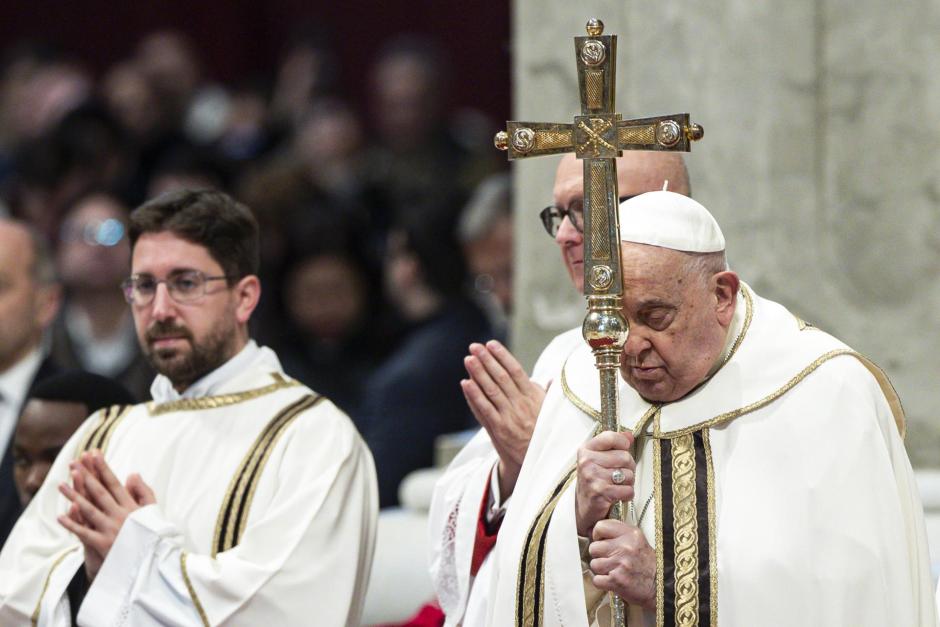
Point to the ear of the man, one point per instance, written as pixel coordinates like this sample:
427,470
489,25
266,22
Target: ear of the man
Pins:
48,301
726,286
247,294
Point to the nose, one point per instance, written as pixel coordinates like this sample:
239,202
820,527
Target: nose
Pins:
635,345
163,306
34,477
567,235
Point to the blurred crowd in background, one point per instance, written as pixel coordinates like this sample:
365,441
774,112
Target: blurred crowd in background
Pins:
386,226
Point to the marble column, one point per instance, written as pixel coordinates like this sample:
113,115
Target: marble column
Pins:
820,160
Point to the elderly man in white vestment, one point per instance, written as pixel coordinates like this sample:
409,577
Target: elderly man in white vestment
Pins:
763,464
237,496
487,468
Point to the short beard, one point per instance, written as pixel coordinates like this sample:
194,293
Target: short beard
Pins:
183,368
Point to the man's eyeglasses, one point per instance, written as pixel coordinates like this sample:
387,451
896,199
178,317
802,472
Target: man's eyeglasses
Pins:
185,286
553,215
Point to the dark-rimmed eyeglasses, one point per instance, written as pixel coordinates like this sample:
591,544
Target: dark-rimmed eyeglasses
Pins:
552,216
184,286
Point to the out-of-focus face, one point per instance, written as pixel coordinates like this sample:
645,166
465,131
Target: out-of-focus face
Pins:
678,321
325,297
637,173
186,341
489,260
21,318
43,429
328,140
130,97
93,248
406,100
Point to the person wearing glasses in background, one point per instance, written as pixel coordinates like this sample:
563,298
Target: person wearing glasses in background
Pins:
95,329
237,496
470,500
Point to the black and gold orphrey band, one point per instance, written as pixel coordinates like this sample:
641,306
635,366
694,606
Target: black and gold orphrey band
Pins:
531,582
687,587
233,515
100,434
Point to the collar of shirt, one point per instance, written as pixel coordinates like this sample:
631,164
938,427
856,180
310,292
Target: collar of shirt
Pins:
14,384
251,355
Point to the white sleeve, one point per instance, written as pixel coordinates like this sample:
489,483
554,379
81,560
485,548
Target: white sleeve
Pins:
308,554
550,362
40,557
452,522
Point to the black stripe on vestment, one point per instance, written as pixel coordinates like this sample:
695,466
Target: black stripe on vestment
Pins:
701,515
669,547
248,466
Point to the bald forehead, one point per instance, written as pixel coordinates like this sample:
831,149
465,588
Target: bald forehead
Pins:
637,172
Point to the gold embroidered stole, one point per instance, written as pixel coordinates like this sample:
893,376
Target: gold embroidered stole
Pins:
687,572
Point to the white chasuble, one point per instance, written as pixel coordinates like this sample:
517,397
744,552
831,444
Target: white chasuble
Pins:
265,514
777,493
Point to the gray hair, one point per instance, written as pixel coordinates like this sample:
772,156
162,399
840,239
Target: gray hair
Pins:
492,199
705,265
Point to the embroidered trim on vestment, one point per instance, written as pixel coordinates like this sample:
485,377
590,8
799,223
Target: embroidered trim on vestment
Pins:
575,400
222,400
233,515
192,591
686,584
736,413
530,587
100,434
34,619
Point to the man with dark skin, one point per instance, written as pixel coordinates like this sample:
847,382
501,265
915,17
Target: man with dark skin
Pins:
55,408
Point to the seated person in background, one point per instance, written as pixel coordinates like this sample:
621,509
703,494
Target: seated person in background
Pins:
336,329
415,395
54,409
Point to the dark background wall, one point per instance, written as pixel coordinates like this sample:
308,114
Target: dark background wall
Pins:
240,39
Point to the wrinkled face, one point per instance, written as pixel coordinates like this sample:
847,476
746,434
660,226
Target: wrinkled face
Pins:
185,341
637,173
43,429
678,322
20,328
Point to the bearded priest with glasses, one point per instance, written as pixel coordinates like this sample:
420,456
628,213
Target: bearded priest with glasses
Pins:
237,496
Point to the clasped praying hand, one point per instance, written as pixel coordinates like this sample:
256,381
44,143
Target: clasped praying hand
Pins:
99,505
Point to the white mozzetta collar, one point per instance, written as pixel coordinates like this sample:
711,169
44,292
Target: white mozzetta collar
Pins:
767,351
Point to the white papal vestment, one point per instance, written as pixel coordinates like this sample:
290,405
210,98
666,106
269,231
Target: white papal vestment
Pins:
265,514
779,494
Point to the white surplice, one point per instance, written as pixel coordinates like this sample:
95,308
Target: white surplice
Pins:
817,518
456,502
306,507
